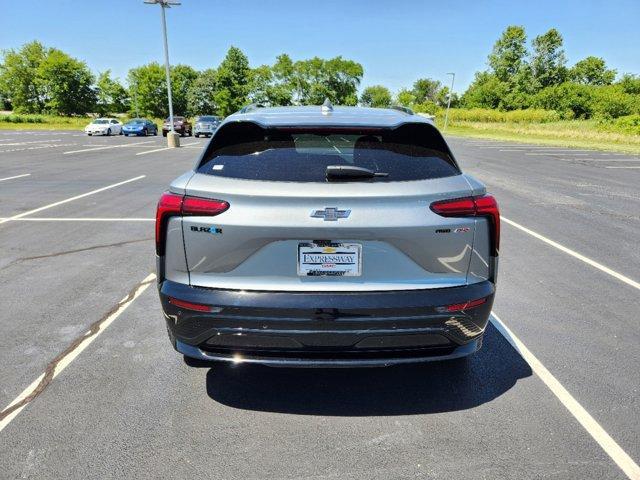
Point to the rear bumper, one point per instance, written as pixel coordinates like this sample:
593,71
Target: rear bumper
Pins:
326,329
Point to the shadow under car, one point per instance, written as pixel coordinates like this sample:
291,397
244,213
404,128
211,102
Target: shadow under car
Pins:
398,390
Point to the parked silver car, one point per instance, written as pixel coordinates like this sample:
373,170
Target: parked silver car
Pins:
321,236
206,125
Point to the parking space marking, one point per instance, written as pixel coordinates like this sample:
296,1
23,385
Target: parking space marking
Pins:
623,167
15,176
551,153
186,145
595,162
77,197
574,254
64,359
599,434
106,147
83,219
38,147
152,151
30,142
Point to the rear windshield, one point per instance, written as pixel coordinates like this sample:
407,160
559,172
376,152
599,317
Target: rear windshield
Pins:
247,151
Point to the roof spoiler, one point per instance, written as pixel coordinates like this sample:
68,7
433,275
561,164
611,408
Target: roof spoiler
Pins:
400,108
251,107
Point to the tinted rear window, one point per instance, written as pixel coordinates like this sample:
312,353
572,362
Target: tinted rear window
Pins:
247,151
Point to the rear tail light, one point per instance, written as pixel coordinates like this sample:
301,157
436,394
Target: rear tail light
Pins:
203,206
169,206
172,205
485,206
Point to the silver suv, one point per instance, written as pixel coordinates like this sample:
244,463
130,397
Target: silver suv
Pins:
206,125
321,236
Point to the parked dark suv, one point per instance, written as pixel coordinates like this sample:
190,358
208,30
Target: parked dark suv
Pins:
180,124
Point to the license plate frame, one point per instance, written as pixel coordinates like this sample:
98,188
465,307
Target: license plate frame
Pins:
324,264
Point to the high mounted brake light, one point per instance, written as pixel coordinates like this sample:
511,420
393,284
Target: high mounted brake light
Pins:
173,205
484,206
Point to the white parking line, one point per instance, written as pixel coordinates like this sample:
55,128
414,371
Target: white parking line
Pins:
37,147
574,254
623,167
563,153
594,161
29,142
184,145
543,150
61,202
152,151
67,357
15,176
83,219
107,147
608,444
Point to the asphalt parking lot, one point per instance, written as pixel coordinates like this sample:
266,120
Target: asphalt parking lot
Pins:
554,393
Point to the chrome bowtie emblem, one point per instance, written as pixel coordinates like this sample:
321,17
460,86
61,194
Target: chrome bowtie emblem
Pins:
330,214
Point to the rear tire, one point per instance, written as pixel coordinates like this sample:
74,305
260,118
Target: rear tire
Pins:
155,132
144,132
108,132
164,134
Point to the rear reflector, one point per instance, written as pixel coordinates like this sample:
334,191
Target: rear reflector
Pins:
198,307
173,204
484,206
457,307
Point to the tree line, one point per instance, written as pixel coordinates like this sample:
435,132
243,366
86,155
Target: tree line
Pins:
39,79
522,77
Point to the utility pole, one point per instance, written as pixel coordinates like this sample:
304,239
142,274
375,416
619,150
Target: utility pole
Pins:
446,115
173,139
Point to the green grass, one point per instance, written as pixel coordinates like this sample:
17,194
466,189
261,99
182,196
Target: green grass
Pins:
11,121
572,134
528,126
41,122
621,135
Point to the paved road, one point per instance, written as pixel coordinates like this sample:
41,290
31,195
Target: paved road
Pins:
128,406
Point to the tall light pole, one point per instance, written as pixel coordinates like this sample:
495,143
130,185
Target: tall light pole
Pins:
172,136
446,115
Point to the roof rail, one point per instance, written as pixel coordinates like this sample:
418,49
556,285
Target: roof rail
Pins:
251,107
400,108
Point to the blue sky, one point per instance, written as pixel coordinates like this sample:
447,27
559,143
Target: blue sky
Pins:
396,41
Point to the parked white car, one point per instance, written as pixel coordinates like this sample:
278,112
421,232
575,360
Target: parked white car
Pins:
104,126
